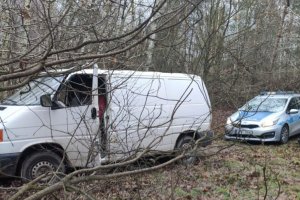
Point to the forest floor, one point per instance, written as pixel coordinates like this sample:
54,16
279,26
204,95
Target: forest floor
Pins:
227,170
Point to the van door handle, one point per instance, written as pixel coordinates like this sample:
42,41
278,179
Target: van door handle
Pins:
93,113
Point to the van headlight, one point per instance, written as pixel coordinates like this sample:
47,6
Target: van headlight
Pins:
269,122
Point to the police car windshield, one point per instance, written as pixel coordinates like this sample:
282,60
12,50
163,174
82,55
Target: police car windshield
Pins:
30,94
265,104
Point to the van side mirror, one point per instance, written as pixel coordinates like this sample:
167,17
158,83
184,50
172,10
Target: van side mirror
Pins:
45,100
293,111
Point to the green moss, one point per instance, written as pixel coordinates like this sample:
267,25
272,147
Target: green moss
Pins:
224,192
180,192
195,192
233,164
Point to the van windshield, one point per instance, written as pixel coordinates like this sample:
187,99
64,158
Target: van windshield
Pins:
265,105
30,94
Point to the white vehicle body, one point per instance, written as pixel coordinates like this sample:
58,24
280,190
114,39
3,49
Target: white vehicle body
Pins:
143,110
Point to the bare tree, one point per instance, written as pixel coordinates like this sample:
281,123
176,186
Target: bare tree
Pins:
239,47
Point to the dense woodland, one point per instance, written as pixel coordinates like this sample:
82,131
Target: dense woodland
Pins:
239,47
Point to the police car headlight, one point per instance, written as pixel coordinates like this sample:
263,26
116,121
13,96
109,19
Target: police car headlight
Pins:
232,119
228,122
268,123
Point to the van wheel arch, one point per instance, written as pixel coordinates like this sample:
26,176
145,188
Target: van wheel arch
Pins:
52,147
194,134
206,135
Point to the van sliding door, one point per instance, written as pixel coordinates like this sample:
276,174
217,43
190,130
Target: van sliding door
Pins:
137,114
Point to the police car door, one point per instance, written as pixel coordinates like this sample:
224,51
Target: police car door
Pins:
293,118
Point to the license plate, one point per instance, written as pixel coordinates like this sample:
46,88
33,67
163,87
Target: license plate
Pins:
245,132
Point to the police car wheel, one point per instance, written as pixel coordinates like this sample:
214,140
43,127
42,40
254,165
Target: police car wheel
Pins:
42,163
284,134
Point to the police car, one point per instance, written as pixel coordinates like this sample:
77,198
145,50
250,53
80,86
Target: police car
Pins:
269,117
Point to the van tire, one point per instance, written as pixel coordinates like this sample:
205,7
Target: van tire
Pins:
284,134
39,163
186,143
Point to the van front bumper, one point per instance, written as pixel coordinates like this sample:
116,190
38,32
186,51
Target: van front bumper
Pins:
8,164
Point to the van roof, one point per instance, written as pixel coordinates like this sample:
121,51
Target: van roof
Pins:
139,73
124,73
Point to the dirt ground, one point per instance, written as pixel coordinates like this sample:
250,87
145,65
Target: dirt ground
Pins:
227,170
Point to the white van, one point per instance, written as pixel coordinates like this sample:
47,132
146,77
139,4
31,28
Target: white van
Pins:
90,117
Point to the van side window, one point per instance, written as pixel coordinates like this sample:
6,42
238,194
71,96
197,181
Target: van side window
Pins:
77,91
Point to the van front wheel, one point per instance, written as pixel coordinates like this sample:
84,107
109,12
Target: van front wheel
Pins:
40,163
